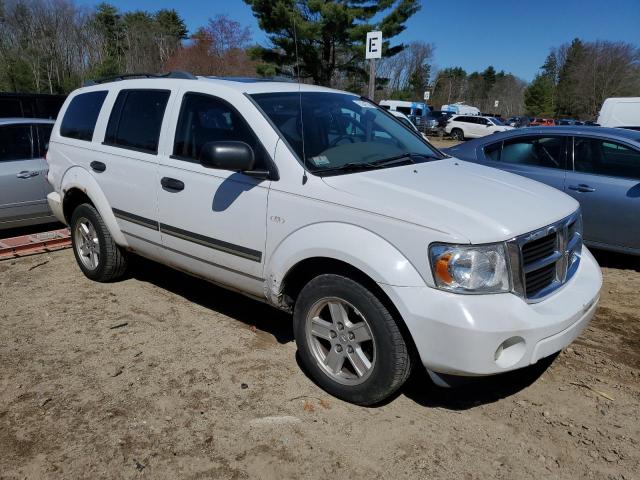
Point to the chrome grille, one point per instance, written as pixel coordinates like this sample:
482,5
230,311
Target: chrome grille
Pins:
545,259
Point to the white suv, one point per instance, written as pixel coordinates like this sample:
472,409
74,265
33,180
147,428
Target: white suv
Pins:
320,203
471,126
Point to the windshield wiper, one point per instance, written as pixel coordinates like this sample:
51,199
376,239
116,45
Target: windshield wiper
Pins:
385,162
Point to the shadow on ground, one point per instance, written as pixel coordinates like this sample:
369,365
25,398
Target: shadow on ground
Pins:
621,261
234,305
470,393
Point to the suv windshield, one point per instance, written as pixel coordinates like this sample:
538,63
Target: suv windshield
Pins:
342,132
496,121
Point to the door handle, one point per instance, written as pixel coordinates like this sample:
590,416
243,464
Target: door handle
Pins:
98,167
27,174
171,184
582,188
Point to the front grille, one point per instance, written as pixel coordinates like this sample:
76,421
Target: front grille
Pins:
538,249
547,258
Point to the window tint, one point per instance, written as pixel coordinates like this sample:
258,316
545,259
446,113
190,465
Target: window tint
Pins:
405,110
44,132
460,119
136,119
538,151
205,119
82,113
492,152
605,157
16,142
482,121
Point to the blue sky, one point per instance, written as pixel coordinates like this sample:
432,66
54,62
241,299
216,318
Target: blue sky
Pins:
514,35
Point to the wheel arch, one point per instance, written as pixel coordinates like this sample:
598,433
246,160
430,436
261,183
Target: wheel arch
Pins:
77,187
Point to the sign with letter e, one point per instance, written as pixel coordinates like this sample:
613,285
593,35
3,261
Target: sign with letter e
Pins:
373,47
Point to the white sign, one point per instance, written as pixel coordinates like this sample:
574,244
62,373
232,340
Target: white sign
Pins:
373,47
496,103
427,95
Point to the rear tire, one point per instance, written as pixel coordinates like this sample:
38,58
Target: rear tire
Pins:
97,254
457,134
348,341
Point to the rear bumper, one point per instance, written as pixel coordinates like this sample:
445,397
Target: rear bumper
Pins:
487,334
55,204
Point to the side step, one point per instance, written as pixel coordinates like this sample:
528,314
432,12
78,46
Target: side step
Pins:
35,243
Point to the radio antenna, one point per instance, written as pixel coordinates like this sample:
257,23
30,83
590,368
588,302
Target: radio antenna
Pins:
304,153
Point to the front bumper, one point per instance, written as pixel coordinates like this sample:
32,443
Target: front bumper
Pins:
462,334
55,204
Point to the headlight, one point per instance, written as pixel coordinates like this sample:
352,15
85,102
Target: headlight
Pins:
470,268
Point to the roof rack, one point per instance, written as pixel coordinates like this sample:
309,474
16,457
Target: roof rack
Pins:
254,79
125,76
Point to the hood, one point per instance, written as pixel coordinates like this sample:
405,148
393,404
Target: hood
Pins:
470,202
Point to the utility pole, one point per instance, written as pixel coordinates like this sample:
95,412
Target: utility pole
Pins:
373,50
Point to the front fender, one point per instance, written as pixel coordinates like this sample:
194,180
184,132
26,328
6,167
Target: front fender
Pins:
359,247
78,177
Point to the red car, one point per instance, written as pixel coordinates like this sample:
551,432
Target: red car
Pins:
542,122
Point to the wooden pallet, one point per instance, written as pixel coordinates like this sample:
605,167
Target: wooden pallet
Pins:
35,243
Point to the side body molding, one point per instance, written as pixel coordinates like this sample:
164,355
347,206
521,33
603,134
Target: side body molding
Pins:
78,177
349,243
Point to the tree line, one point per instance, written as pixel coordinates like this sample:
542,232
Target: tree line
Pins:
52,46
577,77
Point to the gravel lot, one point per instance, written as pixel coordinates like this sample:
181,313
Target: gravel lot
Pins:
165,376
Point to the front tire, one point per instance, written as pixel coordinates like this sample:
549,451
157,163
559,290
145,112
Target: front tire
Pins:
348,341
98,256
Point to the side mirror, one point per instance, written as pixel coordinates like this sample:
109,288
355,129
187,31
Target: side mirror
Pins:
234,156
488,125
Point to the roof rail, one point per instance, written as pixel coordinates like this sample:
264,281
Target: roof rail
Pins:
125,76
254,79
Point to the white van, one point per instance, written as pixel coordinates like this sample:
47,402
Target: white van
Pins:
387,252
461,108
620,112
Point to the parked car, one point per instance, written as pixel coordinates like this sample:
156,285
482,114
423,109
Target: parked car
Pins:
518,122
23,186
435,121
623,112
415,111
318,202
461,127
599,167
542,122
406,122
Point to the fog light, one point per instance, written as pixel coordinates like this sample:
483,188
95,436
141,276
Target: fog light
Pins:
510,352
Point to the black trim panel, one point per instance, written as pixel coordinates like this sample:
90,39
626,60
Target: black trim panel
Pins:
194,258
231,248
138,220
216,244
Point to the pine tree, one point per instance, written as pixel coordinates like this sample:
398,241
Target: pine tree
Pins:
569,101
330,33
538,97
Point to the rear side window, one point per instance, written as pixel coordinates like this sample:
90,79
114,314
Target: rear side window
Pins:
205,119
136,120
44,132
16,142
536,151
604,157
82,113
492,152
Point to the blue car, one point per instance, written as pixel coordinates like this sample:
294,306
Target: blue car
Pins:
599,167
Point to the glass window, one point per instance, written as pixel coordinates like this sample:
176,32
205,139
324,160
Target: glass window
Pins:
405,110
44,132
136,119
341,131
460,119
604,157
538,151
492,152
482,121
81,115
205,119
16,142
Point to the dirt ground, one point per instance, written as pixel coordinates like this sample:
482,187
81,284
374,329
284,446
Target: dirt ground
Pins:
165,376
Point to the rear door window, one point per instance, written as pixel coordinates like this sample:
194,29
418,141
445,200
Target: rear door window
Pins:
44,132
136,119
492,152
16,143
605,157
536,151
81,115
